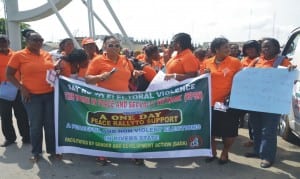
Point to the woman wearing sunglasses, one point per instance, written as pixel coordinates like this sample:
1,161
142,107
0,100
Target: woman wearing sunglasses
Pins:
111,71
37,95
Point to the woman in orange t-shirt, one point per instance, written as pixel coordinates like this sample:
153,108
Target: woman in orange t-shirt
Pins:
111,71
37,94
200,54
184,65
251,50
74,65
66,46
90,47
150,65
224,124
6,106
152,57
264,124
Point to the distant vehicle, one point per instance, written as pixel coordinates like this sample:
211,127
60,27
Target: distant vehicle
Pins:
289,125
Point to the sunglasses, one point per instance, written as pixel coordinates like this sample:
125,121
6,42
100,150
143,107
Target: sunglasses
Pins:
114,45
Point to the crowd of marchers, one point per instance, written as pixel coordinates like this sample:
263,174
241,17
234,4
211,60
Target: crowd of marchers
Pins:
123,70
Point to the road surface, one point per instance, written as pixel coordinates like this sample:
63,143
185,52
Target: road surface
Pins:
14,163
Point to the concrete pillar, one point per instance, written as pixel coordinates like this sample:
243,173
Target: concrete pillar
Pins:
14,17
13,27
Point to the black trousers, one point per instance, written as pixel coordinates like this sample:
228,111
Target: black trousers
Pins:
21,116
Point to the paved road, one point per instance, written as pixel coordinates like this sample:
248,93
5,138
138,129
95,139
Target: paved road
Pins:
14,163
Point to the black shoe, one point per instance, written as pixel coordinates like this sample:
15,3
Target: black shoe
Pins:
265,164
7,143
26,141
139,162
210,159
222,162
251,155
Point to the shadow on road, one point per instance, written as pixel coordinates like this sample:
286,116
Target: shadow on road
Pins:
14,163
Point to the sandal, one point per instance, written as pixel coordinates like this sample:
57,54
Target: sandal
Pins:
56,156
34,158
210,159
139,161
248,144
223,160
101,161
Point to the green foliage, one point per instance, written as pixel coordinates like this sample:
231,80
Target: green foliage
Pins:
3,28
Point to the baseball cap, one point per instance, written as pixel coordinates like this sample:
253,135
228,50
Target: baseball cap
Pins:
87,41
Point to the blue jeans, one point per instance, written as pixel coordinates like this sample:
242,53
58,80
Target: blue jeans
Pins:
40,110
264,126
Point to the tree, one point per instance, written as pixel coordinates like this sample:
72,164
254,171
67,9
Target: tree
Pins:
3,26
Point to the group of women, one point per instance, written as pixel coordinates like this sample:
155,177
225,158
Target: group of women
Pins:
222,68
263,125
114,71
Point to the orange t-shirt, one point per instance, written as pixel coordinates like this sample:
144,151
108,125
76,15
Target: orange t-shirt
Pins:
119,80
157,65
201,66
149,73
263,63
140,56
67,70
3,64
162,61
246,61
222,77
94,56
182,63
33,69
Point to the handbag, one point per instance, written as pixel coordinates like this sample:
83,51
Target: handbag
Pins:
8,91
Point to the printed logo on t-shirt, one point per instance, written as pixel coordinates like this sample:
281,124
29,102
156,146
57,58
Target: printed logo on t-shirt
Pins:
225,71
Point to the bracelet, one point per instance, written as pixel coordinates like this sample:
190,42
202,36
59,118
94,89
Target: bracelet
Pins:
174,76
101,78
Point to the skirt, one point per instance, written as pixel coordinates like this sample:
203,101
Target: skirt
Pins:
225,124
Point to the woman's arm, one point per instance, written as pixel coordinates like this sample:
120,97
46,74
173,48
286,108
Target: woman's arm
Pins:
181,77
93,79
10,76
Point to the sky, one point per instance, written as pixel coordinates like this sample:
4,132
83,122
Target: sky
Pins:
237,20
